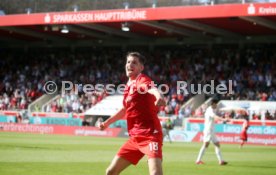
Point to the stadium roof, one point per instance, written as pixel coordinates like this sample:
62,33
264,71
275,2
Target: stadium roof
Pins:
163,26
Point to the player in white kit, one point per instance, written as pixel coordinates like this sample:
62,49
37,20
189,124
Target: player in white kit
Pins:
209,133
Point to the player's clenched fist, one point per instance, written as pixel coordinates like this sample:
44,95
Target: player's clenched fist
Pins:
102,126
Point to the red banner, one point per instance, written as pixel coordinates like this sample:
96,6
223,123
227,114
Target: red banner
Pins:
9,113
57,129
57,115
162,13
255,139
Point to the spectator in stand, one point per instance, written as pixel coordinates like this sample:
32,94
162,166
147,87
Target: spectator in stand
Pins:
188,111
199,112
268,116
255,116
99,121
85,122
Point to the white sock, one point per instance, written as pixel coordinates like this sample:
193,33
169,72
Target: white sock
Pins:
218,153
201,153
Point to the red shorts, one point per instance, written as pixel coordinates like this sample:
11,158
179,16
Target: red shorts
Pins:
138,146
243,135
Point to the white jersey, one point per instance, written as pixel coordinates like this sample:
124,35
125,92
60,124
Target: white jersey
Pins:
209,120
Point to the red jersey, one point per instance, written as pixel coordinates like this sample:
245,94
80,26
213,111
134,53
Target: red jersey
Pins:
141,112
245,125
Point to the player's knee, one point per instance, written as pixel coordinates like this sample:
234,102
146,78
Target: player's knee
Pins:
110,171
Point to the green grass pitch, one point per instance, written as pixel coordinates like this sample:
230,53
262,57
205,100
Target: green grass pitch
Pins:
34,154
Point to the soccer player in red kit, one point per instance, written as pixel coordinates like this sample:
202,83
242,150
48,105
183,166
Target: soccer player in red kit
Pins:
243,135
141,101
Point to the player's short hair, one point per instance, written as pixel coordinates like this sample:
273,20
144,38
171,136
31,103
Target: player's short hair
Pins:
214,101
142,58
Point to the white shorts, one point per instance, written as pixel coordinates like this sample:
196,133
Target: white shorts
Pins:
210,137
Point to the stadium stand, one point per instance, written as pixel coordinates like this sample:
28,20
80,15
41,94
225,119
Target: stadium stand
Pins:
252,72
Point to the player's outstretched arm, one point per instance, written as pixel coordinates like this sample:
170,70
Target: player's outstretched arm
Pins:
119,115
160,101
218,118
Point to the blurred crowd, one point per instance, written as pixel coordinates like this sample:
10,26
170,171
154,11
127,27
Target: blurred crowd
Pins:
23,75
252,115
73,103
